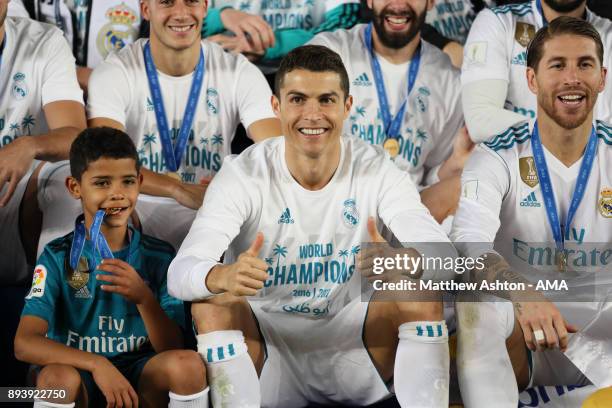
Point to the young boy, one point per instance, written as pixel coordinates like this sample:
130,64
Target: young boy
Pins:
98,310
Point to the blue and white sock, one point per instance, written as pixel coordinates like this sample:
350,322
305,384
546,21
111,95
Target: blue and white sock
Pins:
421,373
231,373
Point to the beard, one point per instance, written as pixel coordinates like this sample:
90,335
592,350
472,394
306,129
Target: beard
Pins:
564,6
567,121
397,40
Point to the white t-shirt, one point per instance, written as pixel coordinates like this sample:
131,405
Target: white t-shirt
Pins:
453,18
311,238
496,49
17,9
502,206
233,91
306,14
433,114
37,69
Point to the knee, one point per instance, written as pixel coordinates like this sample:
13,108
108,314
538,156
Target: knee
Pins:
412,311
185,371
60,376
220,312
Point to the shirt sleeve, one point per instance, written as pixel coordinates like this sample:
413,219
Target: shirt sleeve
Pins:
401,210
252,94
485,54
108,93
173,307
344,15
447,129
16,8
484,184
59,81
225,209
42,299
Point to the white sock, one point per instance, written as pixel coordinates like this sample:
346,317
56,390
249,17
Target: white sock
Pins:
199,400
231,373
486,376
44,404
421,373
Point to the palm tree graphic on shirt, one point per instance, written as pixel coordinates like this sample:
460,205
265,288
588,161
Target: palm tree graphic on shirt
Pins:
344,253
422,136
14,127
28,121
217,139
278,252
354,251
150,140
360,111
204,141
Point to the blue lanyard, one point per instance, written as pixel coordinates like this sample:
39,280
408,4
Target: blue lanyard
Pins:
539,6
547,189
392,125
95,236
173,156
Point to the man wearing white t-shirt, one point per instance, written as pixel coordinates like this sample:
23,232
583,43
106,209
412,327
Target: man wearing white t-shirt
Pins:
181,114
494,91
536,199
305,202
41,112
406,96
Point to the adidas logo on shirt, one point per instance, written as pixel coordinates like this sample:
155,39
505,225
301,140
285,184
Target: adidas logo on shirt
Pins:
530,201
285,217
520,59
362,80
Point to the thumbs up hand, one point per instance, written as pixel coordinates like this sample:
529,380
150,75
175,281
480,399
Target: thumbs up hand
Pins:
377,248
245,276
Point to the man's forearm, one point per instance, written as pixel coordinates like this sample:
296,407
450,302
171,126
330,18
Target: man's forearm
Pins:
496,269
53,146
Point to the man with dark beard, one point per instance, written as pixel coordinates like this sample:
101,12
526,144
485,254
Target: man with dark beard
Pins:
406,97
494,91
540,187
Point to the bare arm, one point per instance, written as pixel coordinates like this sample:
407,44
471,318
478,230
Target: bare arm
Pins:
83,74
264,128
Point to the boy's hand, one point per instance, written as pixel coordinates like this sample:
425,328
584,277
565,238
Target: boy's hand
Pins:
124,280
114,386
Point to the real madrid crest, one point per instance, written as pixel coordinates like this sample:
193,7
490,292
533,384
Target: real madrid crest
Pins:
350,214
524,33
605,202
527,168
19,90
119,30
78,278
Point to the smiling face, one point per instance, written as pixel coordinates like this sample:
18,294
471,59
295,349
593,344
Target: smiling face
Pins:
175,23
397,22
568,79
108,184
312,109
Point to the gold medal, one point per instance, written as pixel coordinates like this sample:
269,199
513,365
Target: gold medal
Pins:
392,147
562,261
175,176
78,278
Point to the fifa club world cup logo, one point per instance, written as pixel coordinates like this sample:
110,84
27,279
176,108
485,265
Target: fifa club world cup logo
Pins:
524,33
528,171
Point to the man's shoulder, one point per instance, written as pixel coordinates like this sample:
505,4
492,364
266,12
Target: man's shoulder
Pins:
364,156
510,138
341,39
604,133
256,161
33,33
130,56
439,63
221,61
513,10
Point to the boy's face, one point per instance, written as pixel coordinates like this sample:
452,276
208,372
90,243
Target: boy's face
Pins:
108,184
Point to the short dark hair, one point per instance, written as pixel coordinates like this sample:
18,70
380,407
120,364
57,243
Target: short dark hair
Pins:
561,26
100,142
316,58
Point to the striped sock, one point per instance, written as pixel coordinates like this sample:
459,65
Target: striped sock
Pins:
421,372
231,372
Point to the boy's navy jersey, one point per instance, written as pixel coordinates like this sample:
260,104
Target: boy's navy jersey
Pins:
80,314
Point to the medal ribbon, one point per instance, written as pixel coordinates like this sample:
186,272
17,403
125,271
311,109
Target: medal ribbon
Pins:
539,7
173,156
547,188
392,125
95,236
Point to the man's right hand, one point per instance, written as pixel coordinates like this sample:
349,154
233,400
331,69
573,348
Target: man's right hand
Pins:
242,278
249,27
113,385
543,315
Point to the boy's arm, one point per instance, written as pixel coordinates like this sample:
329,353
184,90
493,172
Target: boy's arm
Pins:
123,279
32,346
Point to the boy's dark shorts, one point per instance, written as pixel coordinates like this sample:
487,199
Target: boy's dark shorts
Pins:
129,365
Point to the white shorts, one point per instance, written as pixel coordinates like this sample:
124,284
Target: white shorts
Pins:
321,361
13,265
160,217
